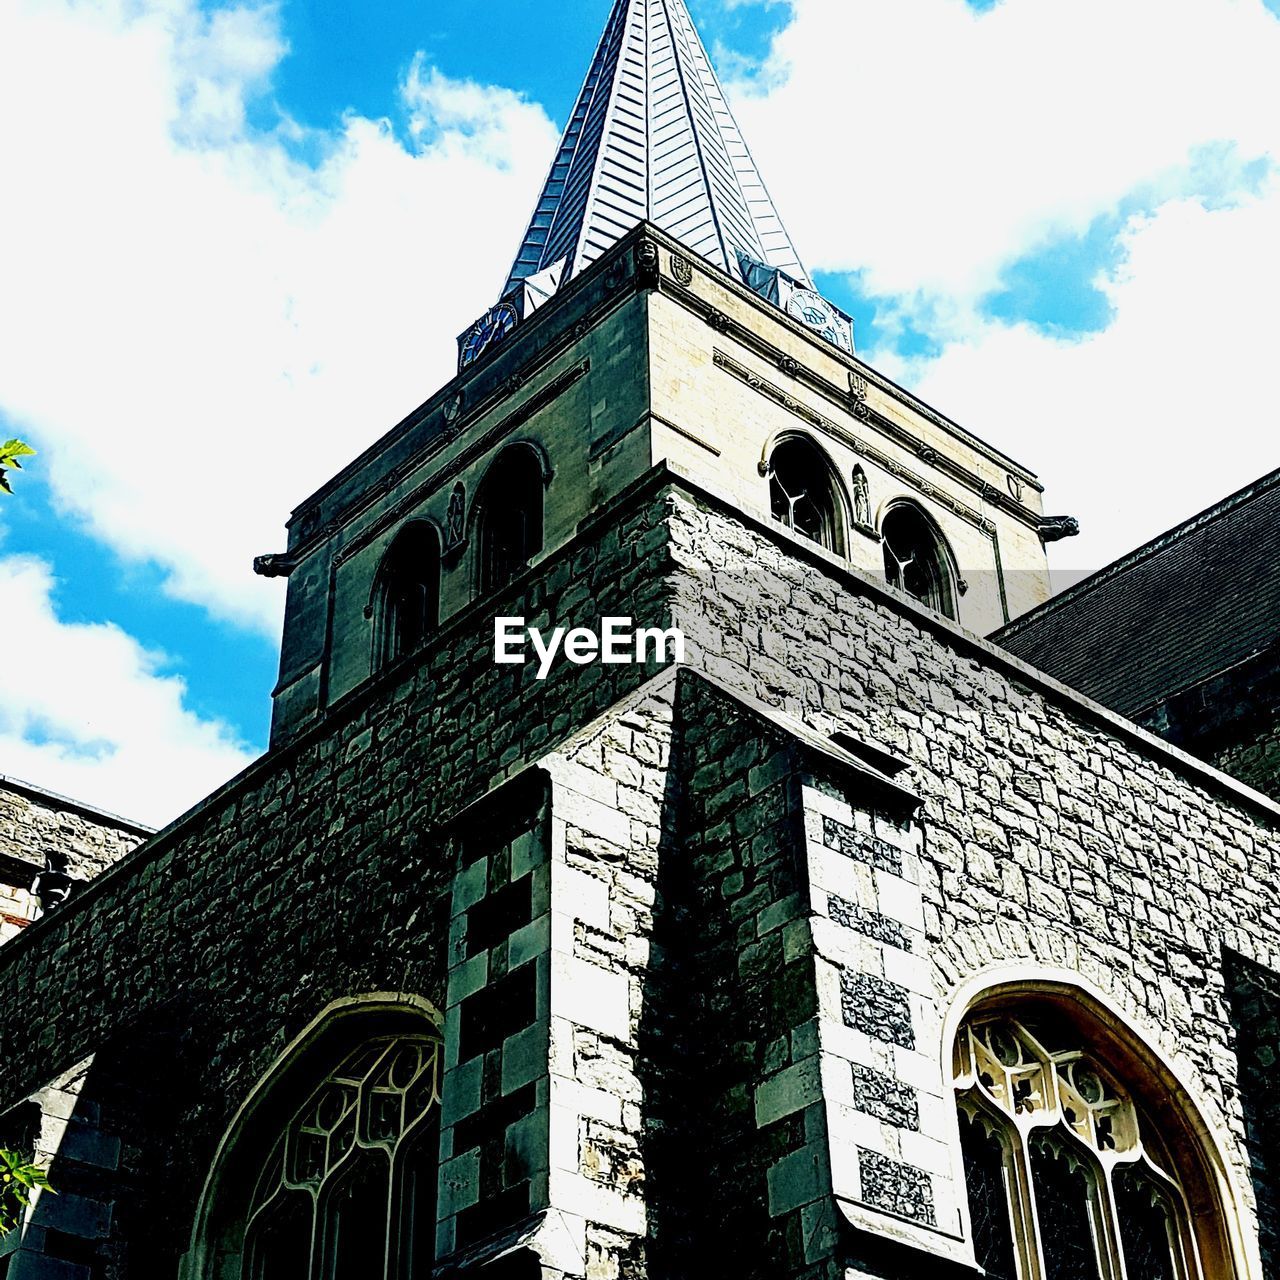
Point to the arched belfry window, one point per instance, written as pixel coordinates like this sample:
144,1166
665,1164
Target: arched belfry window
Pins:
406,594
509,516
1068,1177
916,558
804,494
347,1189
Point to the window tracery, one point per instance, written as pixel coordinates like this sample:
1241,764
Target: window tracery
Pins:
348,1189
406,594
510,517
802,493
916,559
1066,1177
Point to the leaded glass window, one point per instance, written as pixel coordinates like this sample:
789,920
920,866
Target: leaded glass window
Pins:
510,520
407,594
348,1191
1067,1178
916,559
802,493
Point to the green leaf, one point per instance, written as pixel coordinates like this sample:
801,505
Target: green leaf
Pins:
16,448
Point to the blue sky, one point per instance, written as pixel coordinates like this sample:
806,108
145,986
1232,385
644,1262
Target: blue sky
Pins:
247,233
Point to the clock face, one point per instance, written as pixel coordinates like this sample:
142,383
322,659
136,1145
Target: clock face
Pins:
492,326
812,309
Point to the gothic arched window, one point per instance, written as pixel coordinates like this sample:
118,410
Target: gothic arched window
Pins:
406,594
1067,1177
348,1189
803,493
509,523
916,558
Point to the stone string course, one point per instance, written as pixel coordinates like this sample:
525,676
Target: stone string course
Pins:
695,966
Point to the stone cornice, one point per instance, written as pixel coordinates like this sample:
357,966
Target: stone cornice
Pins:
540,399
780,396
659,478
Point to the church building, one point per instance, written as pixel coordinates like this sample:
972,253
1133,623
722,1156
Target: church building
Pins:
873,915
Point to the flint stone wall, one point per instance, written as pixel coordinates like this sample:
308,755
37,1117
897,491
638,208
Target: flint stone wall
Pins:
732,894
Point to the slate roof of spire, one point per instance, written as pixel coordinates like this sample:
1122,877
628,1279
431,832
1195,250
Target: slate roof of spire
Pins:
652,138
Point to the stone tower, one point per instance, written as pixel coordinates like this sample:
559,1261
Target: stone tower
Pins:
842,943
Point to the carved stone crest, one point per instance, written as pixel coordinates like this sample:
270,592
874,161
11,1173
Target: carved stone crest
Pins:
452,409
718,321
857,387
790,366
681,269
928,455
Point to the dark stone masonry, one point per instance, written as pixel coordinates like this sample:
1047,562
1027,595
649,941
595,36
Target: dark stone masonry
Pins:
716,947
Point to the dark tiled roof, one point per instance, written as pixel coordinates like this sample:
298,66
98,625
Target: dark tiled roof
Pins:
1193,602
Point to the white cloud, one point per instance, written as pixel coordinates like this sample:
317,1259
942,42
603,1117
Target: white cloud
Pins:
90,713
930,144
195,327
1169,408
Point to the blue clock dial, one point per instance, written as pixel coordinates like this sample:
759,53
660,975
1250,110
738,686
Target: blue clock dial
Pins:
494,325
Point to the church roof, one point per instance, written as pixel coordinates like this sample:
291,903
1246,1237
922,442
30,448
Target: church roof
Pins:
652,138
1193,603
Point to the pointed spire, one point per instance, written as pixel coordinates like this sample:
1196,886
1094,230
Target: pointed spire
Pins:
651,137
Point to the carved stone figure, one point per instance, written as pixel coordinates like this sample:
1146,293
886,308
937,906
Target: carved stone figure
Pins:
455,520
861,498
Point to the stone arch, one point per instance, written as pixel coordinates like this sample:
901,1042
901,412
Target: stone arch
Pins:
506,525
834,515
918,558
1115,1026
218,1229
404,597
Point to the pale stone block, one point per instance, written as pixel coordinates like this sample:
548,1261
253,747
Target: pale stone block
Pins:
583,896
598,819
847,1042
846,948
591,996
845,1180
565,1139
575,1194
814,801
562,933
561,1052
919,1070
592,784
900,900
910,971
925,1153
837,1080
855,1128
830,995
591,1104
